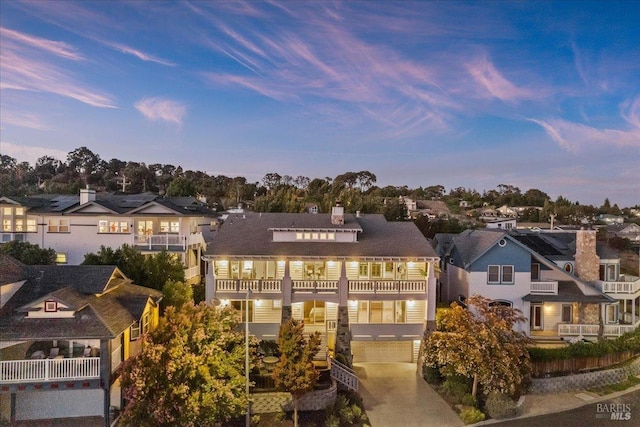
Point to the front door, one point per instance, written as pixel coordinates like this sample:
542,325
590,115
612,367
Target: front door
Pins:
536,317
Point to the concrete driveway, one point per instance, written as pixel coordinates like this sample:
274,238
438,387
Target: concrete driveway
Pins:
394,395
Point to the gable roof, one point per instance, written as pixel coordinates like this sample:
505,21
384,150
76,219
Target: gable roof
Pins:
251,234
104,301
472,244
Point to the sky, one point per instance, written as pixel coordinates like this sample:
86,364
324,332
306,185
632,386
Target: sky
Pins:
470,94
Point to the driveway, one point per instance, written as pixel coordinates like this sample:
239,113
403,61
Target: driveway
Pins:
395,396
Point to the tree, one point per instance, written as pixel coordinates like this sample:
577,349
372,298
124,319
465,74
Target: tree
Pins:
28,253
395,210
181,187
176,294
295,371
189,372
479,342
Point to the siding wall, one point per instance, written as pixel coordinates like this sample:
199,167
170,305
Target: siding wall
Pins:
266,313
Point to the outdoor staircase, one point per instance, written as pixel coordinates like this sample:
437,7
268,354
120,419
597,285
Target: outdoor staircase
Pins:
343,374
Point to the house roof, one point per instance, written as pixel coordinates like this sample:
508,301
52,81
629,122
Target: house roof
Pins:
569,291
558,245
104,301
251,234
472,244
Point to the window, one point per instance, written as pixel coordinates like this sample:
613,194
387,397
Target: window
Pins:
376,270
50,306
6,225
567,313
507,274
61,258
19,211
240,306
58,226
494,274
146,318
314,312
611,272
535,271
31,225
568,267
169,226
363,269
6,211
113,226
612,313
134,331
19,225
387,312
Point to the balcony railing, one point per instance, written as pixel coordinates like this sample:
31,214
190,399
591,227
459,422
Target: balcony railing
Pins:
268,286
629,285
191,272
76,368
544,288
592,330
387,286
166,241
315,286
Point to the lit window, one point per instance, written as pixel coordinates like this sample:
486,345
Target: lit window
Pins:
175,226
299,236
363,269
494,274
6,225
376,270
240,306
19,211
314,236
31,225
61,258
307,236
323,236
331,236
6,211
19,225
164,226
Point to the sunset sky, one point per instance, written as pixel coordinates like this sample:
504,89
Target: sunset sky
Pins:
535,94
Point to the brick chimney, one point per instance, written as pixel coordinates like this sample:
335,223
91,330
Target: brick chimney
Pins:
337,214
87,195
587,261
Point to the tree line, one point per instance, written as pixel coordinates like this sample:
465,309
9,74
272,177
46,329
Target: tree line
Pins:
357,191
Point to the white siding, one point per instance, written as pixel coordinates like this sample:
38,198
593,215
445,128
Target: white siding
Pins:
416,270
551,316
38,405
297,311
331,311
264,312
416,311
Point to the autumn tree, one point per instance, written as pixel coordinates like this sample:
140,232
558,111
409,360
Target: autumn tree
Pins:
295,371
478,341
189,372
176,294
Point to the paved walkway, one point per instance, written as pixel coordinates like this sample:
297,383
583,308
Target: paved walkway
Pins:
394,395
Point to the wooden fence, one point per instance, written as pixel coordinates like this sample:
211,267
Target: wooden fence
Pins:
578,364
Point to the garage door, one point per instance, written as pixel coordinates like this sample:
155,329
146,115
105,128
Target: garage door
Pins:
382,351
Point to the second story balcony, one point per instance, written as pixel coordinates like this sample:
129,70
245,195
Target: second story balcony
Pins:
43,370
627,286
167,241
546,287
240,286
387,286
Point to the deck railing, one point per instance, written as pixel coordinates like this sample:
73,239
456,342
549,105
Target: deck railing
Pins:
387,286
76,368
165,241
240,286
629,285
545,288
343,374
592,329
315,286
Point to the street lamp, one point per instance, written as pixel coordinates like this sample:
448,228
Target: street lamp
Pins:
246,354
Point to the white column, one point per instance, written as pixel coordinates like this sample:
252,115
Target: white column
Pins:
431,291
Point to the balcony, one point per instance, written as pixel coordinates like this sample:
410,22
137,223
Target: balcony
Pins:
315,286
627,286
157,242
544,288
387,286
591,330
240,286
191,272
38,370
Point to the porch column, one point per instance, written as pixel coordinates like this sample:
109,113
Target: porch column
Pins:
343,330
209,288
431,297
286,290
633,311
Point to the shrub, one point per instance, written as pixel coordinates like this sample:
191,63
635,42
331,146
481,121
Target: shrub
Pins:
471,415
345,411
332,421
456,387
500,406
469,400
431,375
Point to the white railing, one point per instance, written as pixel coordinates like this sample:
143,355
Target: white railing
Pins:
76,368
267,286
626,285
387,286
196,239
315,286
191,272
592,330
547,288
343,374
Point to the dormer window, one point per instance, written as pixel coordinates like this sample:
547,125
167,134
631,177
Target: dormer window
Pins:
50,306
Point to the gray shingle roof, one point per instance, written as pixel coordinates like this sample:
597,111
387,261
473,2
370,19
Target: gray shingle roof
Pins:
107,303
568,291
251,234
471,244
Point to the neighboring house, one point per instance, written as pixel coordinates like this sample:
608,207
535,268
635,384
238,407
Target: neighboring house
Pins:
505,210
629,231
76,225
609,219
64,333
409,203
556,286
503,223
366,284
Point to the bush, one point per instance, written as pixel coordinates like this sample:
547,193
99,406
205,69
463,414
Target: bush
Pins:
456,387
469,400
345,411
471,415
500,406
431,375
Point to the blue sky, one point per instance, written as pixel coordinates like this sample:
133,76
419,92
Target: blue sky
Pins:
536,94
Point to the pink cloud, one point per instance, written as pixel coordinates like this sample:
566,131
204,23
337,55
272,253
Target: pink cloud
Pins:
57,48
494,83
162,109
575,136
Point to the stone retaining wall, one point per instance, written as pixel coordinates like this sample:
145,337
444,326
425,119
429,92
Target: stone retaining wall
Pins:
584,381
266,403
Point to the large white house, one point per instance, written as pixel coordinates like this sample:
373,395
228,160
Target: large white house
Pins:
76,225
366,284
